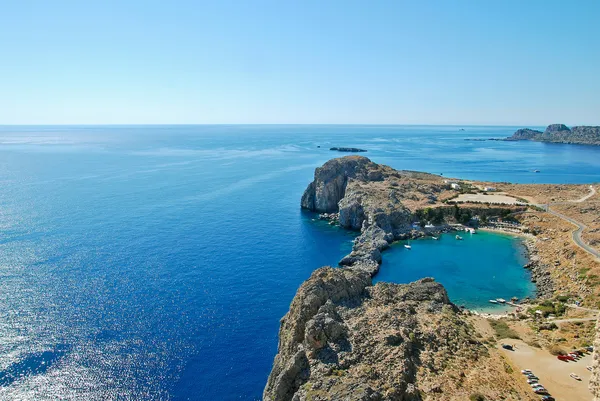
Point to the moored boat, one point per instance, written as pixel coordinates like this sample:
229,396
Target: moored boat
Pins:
458,237
501,300
493,301
407,246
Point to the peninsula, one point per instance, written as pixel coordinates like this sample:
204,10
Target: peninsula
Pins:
347,339
560,133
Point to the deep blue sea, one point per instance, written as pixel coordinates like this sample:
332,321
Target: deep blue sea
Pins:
154,262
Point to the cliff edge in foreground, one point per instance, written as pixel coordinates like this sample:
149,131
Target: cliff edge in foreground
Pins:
345,339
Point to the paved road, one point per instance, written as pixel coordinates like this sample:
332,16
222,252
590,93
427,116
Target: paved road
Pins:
580,226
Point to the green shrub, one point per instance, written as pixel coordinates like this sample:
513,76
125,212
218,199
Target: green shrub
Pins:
502,330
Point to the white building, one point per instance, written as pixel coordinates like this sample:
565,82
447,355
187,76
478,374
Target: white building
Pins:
489,189
454,186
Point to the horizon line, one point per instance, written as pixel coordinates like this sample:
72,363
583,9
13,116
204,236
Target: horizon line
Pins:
279,124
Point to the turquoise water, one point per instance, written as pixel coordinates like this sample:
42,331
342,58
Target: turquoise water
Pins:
481,267
155,263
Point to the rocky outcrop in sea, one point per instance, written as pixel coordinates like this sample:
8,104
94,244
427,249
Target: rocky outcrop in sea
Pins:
560,133
348,150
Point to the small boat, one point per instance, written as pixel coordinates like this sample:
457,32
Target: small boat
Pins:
407,246
501,300
536,171
458,237
493,301
574,376
434,237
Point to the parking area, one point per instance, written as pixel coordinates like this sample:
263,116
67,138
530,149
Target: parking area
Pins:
553,374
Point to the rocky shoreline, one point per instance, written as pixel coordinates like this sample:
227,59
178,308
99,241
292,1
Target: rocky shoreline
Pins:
344,338
540,272
367,250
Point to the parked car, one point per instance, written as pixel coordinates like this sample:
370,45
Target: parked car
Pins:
590,349
548,398
526,371
589,368
532,381
565,358
574,376
540,391
507,346
532,376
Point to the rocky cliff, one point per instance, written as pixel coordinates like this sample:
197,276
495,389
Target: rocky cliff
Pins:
345,339
560,133
375,199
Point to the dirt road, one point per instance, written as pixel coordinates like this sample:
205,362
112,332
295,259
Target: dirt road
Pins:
553,373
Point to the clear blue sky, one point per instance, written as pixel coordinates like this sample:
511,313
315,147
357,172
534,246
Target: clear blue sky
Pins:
525,62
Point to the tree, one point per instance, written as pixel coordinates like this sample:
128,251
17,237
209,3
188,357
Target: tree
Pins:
438,216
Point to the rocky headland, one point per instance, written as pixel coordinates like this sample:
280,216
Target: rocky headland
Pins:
560,133
374,199
347,339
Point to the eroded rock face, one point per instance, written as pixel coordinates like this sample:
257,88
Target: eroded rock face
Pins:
344,339
370,198
329,186
311,323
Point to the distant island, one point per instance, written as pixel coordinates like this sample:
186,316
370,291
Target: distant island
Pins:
349,150
559,133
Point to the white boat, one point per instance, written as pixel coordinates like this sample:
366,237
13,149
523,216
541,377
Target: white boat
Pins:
501,300
434,237
493,301
407,246
458,237
536,171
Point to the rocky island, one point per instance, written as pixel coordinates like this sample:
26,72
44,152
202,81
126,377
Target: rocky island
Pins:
560,133
348,150
347,339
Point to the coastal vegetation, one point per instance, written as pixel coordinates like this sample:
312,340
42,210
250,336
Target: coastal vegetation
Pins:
502,329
